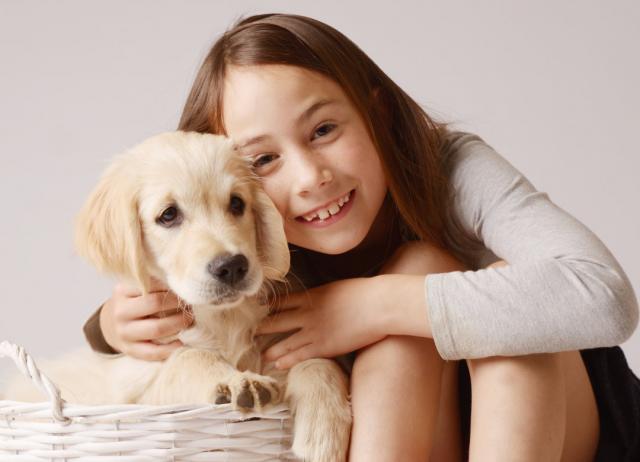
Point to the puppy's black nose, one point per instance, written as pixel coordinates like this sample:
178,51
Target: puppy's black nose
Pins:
229,269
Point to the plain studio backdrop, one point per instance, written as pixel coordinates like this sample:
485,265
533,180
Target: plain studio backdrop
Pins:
552,86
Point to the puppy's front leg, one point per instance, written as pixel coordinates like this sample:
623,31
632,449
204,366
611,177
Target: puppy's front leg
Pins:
191,375
188,376
317,393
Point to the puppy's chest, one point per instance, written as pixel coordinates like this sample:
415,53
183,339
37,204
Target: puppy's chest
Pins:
227,334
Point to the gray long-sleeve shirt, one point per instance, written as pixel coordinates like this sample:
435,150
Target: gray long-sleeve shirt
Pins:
563,289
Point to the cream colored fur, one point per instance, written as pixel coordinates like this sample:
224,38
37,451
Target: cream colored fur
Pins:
118,232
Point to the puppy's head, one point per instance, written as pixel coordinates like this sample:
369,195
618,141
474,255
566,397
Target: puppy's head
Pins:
184,208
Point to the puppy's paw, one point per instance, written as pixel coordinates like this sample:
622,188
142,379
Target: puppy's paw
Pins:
248,392
322,436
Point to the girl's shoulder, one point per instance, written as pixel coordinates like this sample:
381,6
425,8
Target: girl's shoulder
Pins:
473,166
459,146
485,189
455,139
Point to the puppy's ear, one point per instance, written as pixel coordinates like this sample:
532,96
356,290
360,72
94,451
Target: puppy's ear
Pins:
108,231
272,242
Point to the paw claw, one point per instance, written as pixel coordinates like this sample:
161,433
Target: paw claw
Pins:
223,394
245,397
264,395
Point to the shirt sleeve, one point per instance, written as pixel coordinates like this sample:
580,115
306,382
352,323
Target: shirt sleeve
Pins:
563,289
94,336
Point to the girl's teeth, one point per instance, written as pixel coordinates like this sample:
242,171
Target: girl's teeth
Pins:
332,210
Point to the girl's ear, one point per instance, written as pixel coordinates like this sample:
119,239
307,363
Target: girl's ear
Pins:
379,104
270,237
108,231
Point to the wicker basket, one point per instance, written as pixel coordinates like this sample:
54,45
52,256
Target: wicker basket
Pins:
57,431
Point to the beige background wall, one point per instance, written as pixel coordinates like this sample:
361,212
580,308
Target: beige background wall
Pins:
553,86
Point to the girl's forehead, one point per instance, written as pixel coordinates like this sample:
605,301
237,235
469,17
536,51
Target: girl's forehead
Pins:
275,94
276,81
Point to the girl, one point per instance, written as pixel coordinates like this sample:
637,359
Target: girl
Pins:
425,252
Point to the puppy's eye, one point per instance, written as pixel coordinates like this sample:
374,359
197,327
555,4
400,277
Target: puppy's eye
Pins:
236,205
169,217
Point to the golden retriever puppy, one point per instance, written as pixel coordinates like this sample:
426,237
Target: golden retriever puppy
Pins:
184,208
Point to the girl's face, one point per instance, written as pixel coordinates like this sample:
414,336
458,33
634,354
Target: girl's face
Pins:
311,148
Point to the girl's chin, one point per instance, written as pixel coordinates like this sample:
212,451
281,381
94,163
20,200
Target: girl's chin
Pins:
329,247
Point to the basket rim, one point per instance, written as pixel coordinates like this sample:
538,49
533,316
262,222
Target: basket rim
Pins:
73,410
63,411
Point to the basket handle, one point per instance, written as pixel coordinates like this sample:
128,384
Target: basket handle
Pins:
28,367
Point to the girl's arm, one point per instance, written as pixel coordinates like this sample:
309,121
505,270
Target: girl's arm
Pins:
413,319
562,290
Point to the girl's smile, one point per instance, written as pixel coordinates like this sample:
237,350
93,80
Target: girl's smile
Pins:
310,146
329,213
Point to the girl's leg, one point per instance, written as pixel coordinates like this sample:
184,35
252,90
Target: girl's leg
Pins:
403,395
395,397
583,421
518,408
447,440
532,408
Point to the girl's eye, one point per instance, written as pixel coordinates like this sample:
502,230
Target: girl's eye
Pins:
323,130
263,160
170,217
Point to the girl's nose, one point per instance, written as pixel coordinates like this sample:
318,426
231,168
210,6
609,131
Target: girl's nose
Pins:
310,174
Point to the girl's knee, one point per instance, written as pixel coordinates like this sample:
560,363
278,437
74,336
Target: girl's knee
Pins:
418,257
396,352
401,347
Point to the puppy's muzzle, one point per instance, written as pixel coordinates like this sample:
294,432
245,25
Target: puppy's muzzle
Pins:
229,269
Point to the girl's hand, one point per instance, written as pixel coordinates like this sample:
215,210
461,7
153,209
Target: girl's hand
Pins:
333,319
132,322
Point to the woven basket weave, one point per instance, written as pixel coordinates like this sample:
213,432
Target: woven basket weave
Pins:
57,431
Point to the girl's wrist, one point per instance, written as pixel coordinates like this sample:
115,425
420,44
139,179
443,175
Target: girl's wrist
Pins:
403,305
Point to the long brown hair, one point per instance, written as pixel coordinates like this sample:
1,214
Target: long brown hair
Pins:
408,141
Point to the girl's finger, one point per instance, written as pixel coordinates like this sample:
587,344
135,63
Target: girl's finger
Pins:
129,290
286,346
152,304
186,312
299,355
187,315
288,301
280,322
149,351
153,328
124,289
157,286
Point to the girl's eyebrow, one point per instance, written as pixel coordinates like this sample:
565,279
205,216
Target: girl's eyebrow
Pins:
306,114
250,141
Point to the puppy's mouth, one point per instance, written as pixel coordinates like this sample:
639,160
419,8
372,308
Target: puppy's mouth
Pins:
217,295
227,300
223,297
